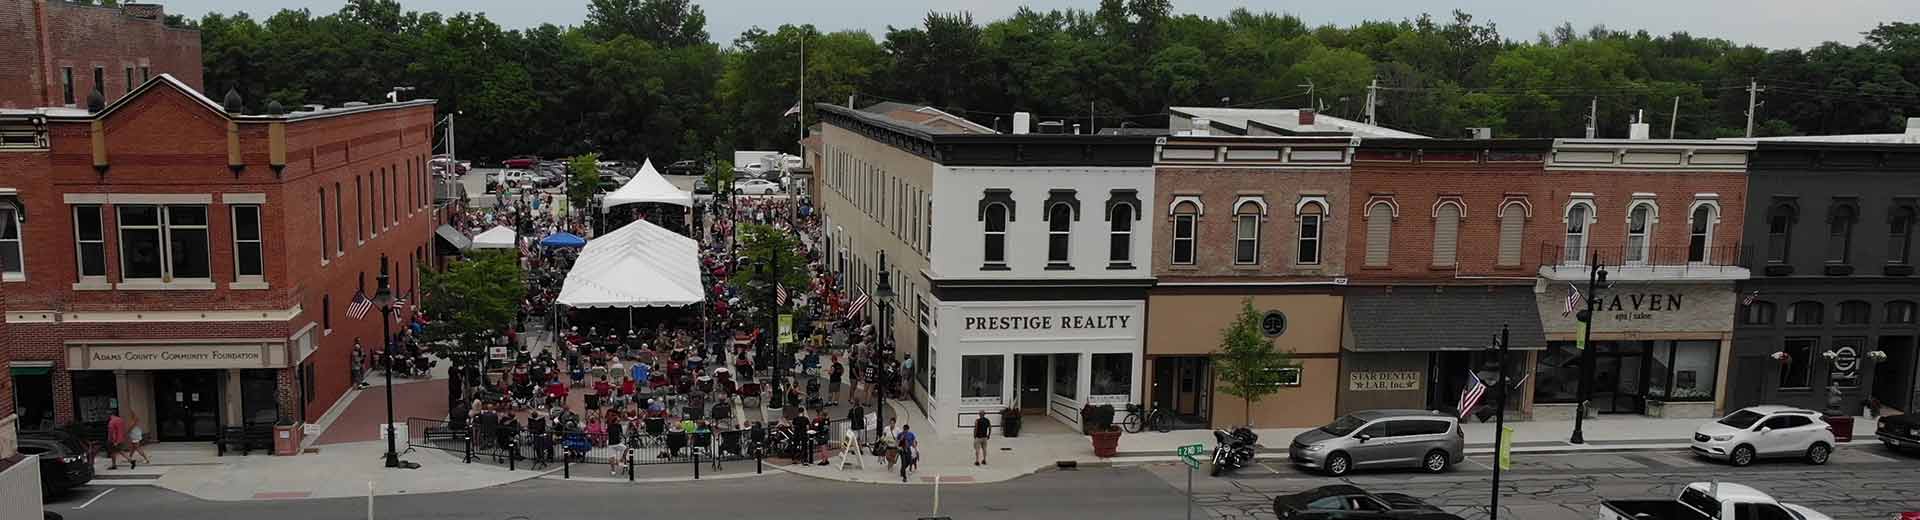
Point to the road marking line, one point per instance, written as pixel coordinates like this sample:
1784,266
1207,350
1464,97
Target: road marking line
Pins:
95,498
1482,465
1876,458
1270,468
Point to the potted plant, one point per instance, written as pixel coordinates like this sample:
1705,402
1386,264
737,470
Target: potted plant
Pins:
1010,421
1097,421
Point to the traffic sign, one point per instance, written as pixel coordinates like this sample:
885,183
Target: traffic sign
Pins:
1191,450
1192,463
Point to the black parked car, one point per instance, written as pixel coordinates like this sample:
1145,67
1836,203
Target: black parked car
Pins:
1349,502
684,167
63,460
1900,432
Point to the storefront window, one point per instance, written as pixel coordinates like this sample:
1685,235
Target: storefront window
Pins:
1794,370
981,377
94,395
1558,374
1690,367
1112,374
259,401
1066,375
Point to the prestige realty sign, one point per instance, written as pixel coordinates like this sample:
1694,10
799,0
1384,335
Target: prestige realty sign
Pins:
1070,321
1037,322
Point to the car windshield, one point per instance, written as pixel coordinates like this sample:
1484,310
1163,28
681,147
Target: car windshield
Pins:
1742,419
1344,425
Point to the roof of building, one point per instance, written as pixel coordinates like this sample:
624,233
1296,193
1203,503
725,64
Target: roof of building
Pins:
935,120
1287,120
168,81
1136,131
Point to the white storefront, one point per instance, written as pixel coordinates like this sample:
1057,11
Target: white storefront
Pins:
1044,357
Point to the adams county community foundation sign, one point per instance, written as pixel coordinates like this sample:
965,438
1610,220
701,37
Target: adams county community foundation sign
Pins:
175,356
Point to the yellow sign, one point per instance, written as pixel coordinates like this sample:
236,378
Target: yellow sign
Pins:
786,329
1505,456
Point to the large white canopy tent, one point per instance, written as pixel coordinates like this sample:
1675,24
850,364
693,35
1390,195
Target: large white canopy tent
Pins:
638,265
500,237
647,186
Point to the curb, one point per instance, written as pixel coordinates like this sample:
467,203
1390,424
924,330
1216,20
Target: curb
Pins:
916,481
652,480
1155,456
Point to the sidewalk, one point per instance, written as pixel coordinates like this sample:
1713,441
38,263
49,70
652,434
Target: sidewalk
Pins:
949,456
338,470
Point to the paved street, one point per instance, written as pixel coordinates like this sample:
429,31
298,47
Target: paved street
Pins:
1861,482
1116,494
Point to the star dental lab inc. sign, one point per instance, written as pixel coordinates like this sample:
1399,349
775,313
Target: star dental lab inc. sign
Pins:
176,356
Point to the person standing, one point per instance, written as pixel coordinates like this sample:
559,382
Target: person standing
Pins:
982,429
857,423
834,374
909,450
117,442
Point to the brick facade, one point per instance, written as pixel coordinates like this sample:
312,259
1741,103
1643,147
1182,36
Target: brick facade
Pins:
167,142
40,38
1415,178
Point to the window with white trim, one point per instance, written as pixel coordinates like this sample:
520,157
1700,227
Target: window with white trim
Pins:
90,242
1639,227
1579,216
1059,232
1700,234
166,243
249,264
995,249
12,258
1312,224
1184,216
1246,233
1446,234
1513,233
1379,233
1120,234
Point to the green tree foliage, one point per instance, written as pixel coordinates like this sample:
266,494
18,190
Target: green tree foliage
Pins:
1247,363
759,243
583,179
641,78
471,302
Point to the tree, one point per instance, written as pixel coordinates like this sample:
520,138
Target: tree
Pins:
585,181
470,302
759,242
720,178
1247,363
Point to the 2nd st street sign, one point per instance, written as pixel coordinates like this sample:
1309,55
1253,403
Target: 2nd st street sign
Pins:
1188,452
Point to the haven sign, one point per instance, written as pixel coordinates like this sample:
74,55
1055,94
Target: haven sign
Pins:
176,356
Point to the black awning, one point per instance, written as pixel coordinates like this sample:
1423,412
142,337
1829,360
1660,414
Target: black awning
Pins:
450,240
1426,318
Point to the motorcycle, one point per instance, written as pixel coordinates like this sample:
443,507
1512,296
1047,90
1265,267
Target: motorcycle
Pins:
1234,449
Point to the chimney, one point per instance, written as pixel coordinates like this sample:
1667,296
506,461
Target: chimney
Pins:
1639,131
1076,129
1022,123
144,11
1306,117
1053,127
1913,126
1201,126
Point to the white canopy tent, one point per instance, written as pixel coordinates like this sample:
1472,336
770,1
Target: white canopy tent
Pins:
647,186
638,265
500,237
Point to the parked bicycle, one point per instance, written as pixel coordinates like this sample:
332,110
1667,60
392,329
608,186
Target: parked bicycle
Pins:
1139,419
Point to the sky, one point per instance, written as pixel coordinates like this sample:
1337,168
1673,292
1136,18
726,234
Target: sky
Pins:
1768,23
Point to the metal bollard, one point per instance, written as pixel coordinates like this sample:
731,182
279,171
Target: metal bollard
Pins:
756,460
469,455
630,465
566,465
696,465
513,452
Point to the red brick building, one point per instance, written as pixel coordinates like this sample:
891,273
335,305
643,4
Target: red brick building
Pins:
53,53
192,262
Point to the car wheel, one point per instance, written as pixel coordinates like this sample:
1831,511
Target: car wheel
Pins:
1339,464
1436,462
738,191
1818,454
1742,456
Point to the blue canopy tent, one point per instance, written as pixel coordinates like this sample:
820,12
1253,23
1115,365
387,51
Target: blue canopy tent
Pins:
563,239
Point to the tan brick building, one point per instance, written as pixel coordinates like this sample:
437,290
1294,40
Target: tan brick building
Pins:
53,53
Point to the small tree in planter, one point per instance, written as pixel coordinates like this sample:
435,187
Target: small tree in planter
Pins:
1010,421
1097,421
1248,364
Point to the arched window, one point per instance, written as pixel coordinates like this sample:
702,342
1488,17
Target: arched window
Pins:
1700,234
1804,313
1312,216
1379,233
1246,233
1446,234
1899,313
995,250
1059,232
1513,232
1780,221
1900,236
1120,233
1840,233
1855,312
12,254
1574,250
1639,226
1184,215
1760,313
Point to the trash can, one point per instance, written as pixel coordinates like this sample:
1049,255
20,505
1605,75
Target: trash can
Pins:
1842,426
286,439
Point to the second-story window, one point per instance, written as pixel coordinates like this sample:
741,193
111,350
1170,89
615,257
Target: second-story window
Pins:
1579,216
166,243
1900,236
1855,312
1840,233
1700,234
1779,233
1513,232
323,226
1312,223
995,250
1805,313
1059,233
66,86
1184,216
1120,234
12,257
248,262
90,242
1246,233
1379,233
1446,234
1639,226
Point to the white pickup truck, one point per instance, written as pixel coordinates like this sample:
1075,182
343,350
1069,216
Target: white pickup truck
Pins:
1708,501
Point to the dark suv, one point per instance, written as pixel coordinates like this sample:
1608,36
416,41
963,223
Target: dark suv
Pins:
1899,432
63,460
684,167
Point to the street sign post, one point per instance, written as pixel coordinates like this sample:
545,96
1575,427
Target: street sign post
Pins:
1187,454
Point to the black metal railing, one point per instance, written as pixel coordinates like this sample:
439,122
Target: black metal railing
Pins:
1557,256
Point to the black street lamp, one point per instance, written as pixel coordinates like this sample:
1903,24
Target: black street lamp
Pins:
1596,276
771,338
883,293
1499,350
383,298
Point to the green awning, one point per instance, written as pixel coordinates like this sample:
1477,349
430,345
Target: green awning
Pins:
30,371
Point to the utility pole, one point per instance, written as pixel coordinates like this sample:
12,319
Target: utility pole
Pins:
1596,275
1373,90
1593,117
1675,122
1310,100
1753,102
1500,421
803,92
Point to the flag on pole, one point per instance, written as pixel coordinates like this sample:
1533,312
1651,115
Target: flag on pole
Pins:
1573,300
792,111
1505,457
859,304
780,294
399,304
1470,396
359,306
1750,297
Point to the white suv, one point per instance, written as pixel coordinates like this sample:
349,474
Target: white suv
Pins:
1765,431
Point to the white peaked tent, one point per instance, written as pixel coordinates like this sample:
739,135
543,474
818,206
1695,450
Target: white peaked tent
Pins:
647,186
500,237
639,265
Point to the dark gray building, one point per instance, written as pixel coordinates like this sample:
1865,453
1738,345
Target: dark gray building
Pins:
1828,317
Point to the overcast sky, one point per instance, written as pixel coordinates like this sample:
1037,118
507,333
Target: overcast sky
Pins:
1769,23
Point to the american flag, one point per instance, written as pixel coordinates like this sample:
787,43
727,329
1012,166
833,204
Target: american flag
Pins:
1470,396
1750,297
1573,300
400,304
360,305
859,304
780,294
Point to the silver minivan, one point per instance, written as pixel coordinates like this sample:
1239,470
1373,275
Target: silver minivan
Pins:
1421,439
